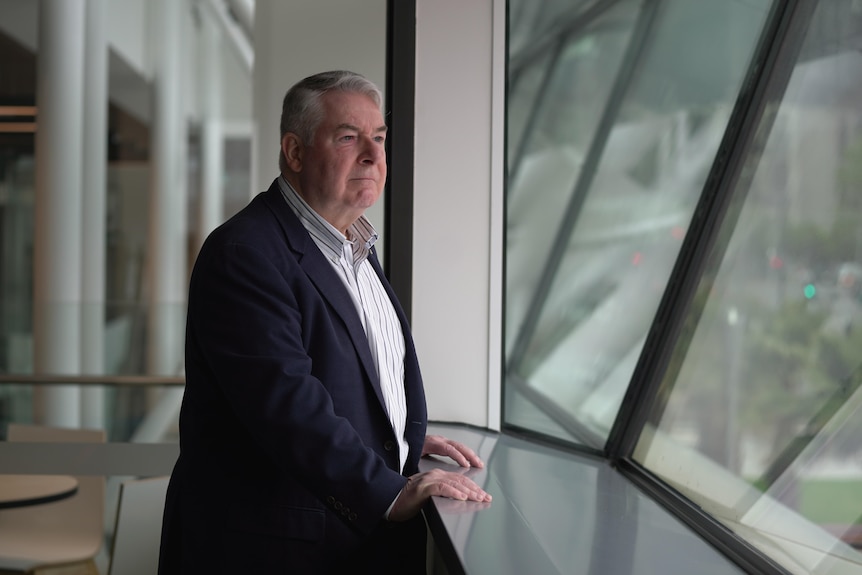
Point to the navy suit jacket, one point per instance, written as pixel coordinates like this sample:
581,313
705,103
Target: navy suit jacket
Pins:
288,461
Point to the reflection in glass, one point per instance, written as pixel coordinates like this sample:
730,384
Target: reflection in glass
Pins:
602,186
762,425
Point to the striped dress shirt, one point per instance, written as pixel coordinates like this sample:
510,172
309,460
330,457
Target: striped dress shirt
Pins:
349,259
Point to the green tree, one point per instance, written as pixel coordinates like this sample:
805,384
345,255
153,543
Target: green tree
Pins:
800,374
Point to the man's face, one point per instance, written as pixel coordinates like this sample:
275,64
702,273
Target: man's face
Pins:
343,171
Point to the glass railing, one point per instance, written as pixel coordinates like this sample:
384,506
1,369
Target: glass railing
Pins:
142,409
115,337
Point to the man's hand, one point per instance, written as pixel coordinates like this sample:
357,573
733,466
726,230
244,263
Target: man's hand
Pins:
463,455
422,486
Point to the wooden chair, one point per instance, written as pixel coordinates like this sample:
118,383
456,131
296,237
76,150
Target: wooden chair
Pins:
58,538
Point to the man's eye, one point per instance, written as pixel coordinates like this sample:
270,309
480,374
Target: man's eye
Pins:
348,138
380,139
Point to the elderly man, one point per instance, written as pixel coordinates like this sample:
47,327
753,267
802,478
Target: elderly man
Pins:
304,416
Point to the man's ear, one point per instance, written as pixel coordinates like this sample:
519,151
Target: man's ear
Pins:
292,148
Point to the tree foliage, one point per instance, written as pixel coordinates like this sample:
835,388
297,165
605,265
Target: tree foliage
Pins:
800,374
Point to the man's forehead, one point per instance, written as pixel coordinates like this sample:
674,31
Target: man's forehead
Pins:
338,99
348,110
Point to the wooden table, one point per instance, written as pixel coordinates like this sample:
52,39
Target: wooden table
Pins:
23,490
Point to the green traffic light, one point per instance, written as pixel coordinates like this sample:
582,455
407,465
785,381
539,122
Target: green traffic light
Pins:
810,291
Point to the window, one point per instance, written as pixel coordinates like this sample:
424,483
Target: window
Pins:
613,127
629,229
762,391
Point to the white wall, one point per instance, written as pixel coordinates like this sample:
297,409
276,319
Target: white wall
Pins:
457,207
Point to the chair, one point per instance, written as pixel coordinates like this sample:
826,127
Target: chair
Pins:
59,537
135,549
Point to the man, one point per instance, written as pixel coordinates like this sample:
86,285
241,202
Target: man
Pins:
304,415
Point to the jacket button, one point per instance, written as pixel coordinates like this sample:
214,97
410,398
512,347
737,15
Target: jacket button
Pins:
330,500
389,445
352,517
338,505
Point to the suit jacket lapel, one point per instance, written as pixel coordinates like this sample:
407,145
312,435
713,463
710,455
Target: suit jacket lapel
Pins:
320,272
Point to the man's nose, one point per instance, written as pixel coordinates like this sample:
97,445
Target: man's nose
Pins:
372,151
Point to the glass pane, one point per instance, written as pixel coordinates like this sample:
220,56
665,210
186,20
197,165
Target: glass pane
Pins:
763,421
569,83
590,247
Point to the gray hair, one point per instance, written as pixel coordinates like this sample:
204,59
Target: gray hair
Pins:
302,110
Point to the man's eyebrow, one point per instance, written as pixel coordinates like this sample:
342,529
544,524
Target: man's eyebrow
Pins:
352,128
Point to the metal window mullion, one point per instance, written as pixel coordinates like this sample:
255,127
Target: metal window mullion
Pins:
741,552
557,414
401,111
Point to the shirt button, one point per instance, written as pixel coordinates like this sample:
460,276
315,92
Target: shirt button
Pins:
389,445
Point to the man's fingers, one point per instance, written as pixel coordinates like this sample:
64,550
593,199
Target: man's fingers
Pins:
437,482
458,452
466,456
452,485
455,453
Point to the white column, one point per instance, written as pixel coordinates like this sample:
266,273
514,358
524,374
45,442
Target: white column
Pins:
95,150
211,204
57,241
167,242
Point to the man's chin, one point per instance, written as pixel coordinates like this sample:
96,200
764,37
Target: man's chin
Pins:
367,198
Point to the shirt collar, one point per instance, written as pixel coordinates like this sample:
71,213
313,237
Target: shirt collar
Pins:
325,235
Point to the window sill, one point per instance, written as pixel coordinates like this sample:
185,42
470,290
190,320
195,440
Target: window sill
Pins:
556,512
